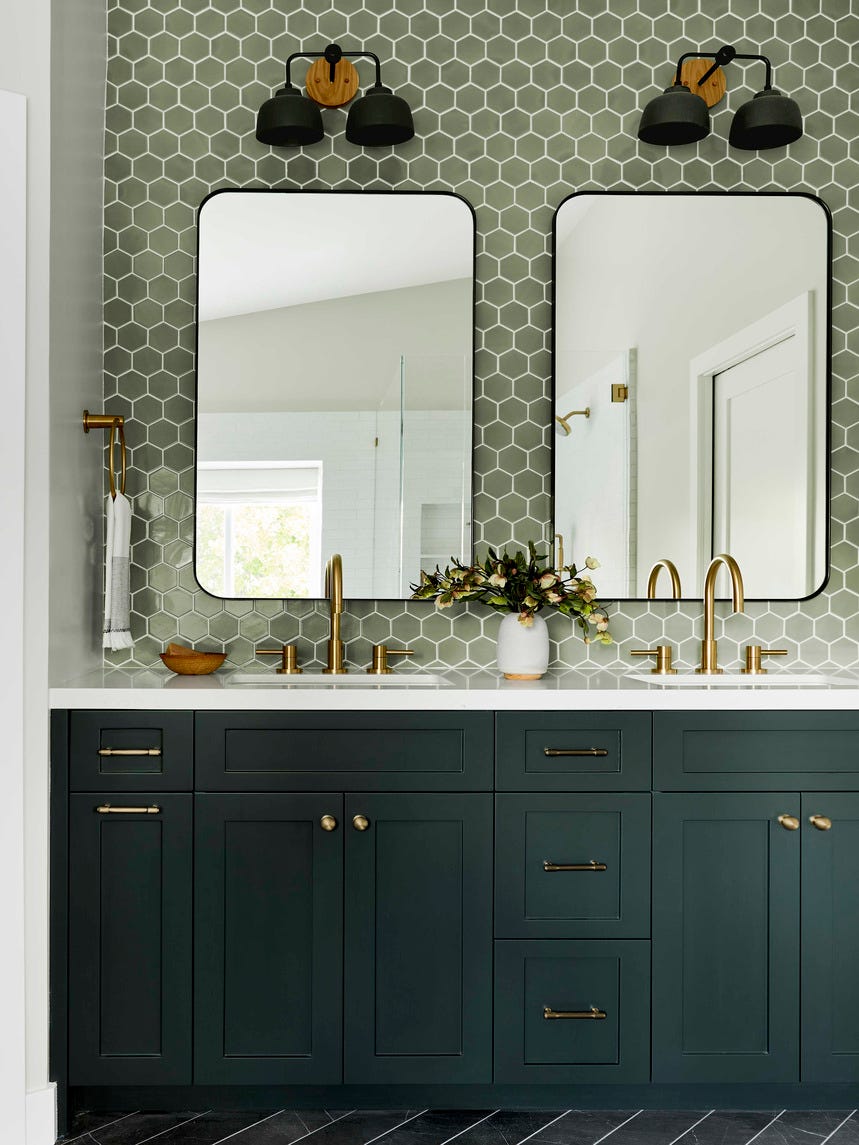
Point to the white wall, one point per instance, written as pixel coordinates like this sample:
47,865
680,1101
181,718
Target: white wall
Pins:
27,65
765,251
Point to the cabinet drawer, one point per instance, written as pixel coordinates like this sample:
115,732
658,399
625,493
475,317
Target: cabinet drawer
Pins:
534,981
603,841
556,751
131,751
347,751
756,751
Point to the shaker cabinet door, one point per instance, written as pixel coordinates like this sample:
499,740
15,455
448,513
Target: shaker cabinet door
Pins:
830,938
726,938
268,939
418,938
130,939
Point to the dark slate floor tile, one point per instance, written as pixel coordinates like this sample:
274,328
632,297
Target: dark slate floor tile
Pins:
508,1127
285,1127
847,1134
583,1126
360,1126
138,1127
656,1127
83,1123
206,1129
434,1126
799,1127
729,1128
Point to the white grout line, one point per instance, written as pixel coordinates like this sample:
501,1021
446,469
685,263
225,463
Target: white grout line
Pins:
466,1129
542,1127
691,1127
261,1121
768,1124
837,1127
399,1125
632,1118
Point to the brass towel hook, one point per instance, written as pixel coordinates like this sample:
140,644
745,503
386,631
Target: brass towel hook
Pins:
116,424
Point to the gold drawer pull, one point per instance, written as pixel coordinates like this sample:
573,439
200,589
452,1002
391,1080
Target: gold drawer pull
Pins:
129,751
107,809
593,1012
821,822
789,822
556,751
593,865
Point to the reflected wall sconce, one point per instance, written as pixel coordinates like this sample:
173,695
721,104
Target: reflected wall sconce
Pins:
681,114
377,119
563,427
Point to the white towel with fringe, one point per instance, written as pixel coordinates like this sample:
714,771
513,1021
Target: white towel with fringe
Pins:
117,587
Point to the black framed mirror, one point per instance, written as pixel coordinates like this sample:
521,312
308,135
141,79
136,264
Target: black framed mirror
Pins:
691,388
335,365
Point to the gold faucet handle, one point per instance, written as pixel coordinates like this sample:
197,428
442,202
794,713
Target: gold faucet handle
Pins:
288,659
662,652
381,652
753,659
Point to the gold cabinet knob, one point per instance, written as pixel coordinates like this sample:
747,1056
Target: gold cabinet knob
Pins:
789,822
820,822
328,823
360,822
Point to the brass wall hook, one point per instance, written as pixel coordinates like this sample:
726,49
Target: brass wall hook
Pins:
116,424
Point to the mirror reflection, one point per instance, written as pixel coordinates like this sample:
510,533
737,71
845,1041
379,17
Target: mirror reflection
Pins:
334,390
691,388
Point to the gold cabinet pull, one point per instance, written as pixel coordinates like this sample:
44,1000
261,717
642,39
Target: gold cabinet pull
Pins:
556,751
328,823
360,822
593,1013
821,822
593,865
108,809
129,751
789,822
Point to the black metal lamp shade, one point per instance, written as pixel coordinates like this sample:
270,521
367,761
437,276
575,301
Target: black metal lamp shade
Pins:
770,119
288,119
677,116
379,119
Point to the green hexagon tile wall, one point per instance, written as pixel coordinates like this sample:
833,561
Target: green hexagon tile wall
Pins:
516,105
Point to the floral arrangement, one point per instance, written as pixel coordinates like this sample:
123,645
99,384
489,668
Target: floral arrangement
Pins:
523,584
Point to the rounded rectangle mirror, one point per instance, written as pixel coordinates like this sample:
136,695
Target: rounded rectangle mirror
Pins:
335,354
691,388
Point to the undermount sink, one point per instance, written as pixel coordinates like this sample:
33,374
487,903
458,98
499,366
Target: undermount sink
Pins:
740,680
357,679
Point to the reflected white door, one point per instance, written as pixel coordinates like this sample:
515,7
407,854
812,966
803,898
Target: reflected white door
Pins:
761,448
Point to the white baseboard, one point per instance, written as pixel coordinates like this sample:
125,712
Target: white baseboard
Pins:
42,1116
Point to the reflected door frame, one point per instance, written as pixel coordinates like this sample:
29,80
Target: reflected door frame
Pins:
792,320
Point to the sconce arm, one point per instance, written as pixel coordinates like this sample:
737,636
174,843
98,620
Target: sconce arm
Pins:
723,56
333,54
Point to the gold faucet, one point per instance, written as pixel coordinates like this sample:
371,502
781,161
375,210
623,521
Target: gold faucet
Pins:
334,592
671,569
709,663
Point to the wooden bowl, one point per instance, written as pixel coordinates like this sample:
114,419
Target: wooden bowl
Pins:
193,663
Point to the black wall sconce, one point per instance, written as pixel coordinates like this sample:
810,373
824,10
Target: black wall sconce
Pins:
682,113
377,119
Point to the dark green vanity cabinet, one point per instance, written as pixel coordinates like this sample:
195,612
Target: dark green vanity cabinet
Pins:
129,948
268,951
457,907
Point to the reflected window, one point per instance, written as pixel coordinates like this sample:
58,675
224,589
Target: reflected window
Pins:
259,528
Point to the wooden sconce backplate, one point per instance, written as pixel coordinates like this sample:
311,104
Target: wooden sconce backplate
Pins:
320,88
711,91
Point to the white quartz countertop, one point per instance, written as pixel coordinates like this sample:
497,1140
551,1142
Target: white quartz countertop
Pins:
476,690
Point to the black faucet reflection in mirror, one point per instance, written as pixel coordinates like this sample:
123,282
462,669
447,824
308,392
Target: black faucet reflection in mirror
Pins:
377,119
681,115
470,1127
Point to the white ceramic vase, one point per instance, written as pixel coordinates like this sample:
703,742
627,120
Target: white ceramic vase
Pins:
523,650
